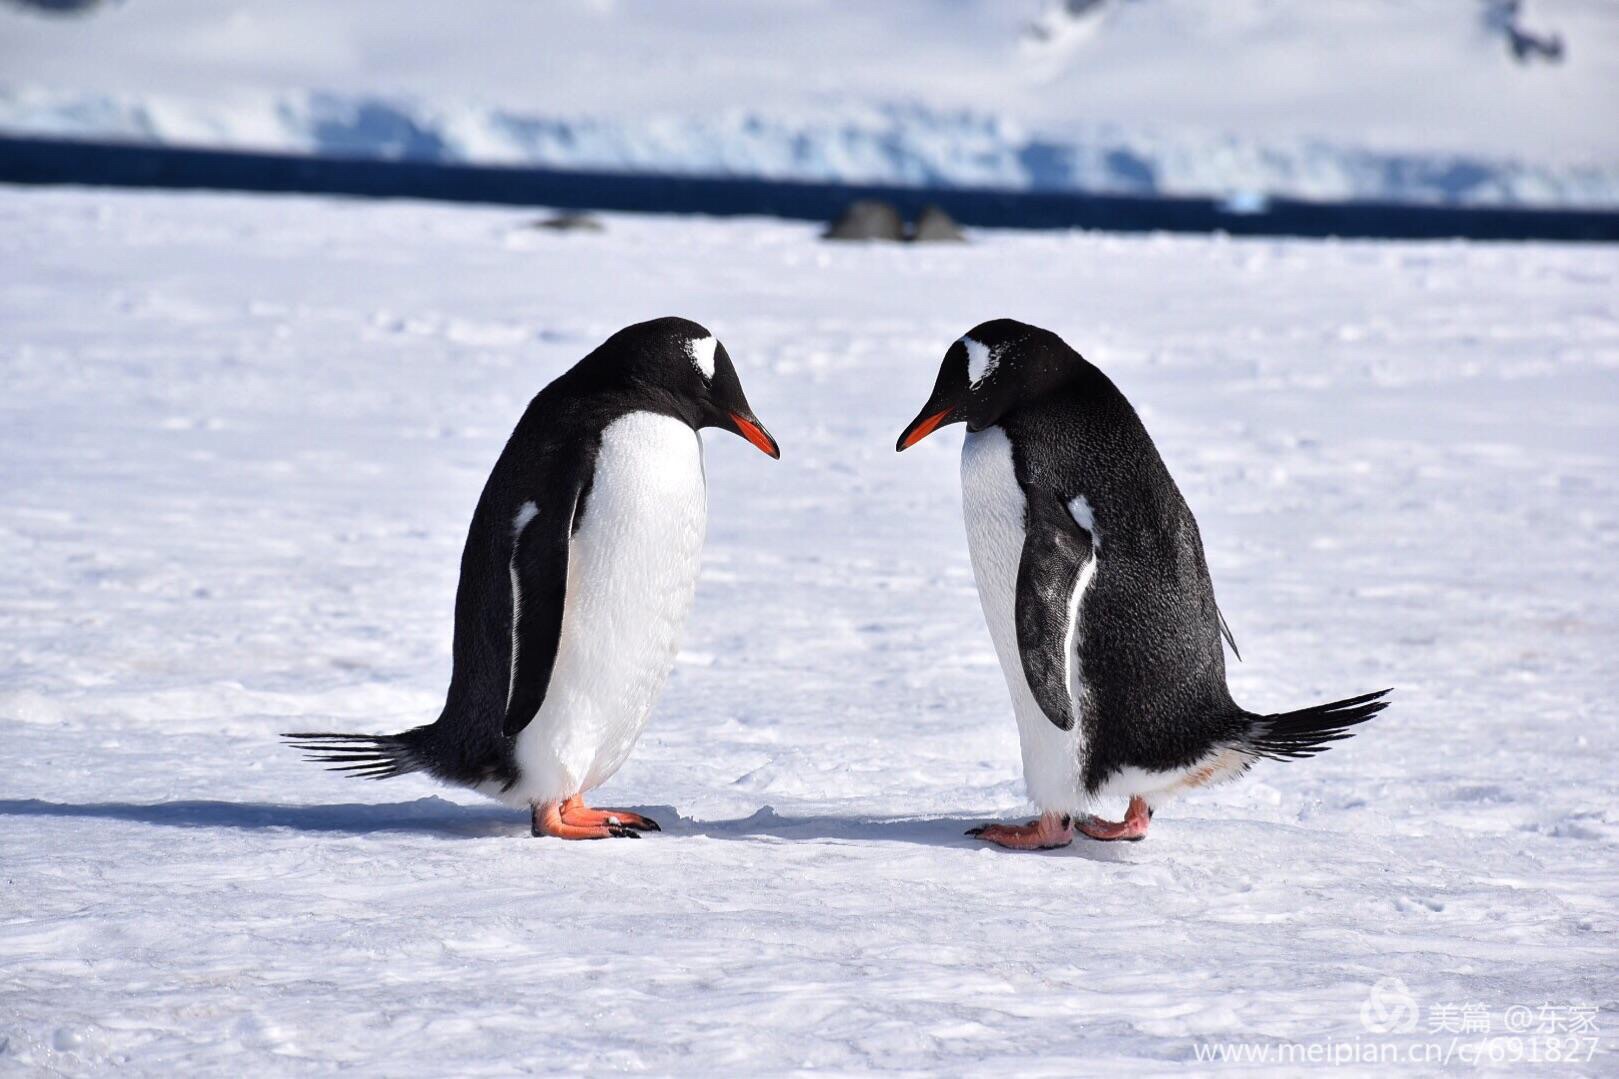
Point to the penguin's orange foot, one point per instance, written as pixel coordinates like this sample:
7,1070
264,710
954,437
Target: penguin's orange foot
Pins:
574,811
1051,831
549,820
1133,827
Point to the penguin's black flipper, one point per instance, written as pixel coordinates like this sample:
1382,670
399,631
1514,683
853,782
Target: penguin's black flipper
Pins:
1055,551
539,573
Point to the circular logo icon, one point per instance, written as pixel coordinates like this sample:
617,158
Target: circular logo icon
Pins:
1390,1008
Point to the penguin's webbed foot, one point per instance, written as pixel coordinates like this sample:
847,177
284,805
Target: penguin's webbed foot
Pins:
1049,832
574,811
1133,827
573,819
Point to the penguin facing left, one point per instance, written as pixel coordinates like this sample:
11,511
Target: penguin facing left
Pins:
577,575
1091,574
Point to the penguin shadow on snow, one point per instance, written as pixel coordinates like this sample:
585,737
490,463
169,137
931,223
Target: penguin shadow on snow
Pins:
767,825
450,820
423,816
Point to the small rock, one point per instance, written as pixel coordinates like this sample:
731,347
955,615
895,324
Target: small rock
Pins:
867,219
935,226
571,223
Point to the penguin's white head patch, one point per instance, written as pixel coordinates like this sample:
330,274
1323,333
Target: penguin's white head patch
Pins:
702,355
980,361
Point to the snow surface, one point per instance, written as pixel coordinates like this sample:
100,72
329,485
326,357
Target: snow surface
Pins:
1389,99
240,439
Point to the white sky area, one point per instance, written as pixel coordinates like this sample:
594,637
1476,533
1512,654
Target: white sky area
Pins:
1383,74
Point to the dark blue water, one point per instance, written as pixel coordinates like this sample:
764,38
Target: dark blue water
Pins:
58,161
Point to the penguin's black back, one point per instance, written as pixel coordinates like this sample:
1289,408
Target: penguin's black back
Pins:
560,431
1150,650
517,550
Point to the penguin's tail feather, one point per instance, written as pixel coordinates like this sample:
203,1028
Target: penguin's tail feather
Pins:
364,756
1308,731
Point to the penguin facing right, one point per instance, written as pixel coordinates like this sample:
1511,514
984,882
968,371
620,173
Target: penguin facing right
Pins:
1093,581
578,572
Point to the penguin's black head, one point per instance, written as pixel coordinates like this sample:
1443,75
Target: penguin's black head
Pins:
996,367
684,371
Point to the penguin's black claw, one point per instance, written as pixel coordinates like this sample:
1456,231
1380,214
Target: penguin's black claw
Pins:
619,831
978,831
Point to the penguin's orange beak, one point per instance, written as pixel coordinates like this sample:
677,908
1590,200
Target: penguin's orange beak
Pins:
750,430
922,427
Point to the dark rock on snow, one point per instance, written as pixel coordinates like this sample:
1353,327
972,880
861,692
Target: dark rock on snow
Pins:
867,219
873,219
571,223
936,226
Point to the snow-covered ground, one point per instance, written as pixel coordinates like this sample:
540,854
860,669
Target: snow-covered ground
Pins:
240,440
1389,99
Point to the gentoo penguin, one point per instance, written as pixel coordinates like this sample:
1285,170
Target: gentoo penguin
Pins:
576,579
1091,573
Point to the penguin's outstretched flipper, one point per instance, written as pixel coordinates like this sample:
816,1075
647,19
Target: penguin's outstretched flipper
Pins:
1308,731
541,534
1058,556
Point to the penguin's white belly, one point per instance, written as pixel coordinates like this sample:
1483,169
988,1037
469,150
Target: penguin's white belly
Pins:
632,571
993,507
